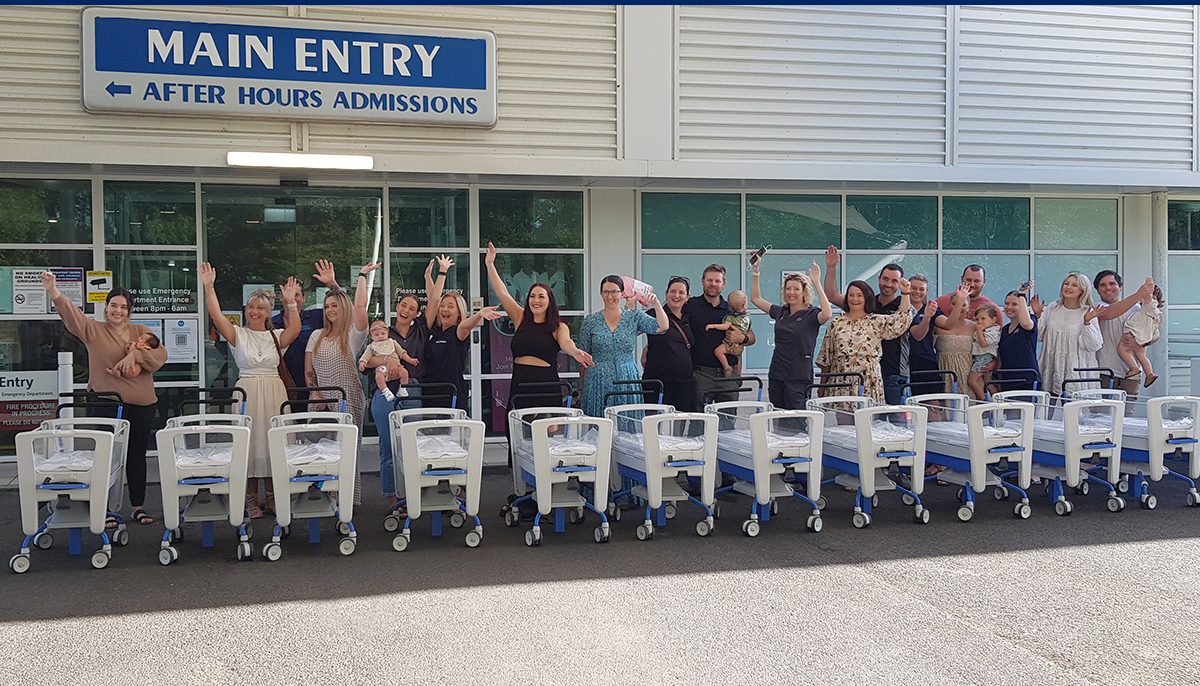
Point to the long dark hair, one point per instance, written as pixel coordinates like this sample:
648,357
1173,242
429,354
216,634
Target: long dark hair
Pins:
868,295
552,319
122,293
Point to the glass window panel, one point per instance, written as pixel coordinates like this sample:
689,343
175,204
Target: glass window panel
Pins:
431,218
1183,225
985,223
792,222
27,346
36,259
34,211
531,219
867,267
162,281
408,275
880,222
1183,333
691,220
1003,273
495,397
1076,223
496,348
149,213
563,273
658,269
1050,270
1183,274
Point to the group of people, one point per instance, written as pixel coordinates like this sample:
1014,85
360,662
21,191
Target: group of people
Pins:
889,340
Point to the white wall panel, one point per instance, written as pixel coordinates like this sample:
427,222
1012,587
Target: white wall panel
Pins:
864,83
1059,85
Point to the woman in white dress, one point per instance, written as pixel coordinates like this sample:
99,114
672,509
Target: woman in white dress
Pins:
1069,337
257,351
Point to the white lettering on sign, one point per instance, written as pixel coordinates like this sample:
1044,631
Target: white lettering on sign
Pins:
171,49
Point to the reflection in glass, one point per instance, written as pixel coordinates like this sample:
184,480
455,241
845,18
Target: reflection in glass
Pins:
1183,272
495,399
430,217
1050,270
1076,223
882,222
408,275
531,219
1003,273
39,259
161,281
793,222
35,211
985,223
1183,225
28,346
691,220
658,269
562,273
149,213
867,267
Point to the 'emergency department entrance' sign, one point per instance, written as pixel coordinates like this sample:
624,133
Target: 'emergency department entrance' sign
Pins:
174,63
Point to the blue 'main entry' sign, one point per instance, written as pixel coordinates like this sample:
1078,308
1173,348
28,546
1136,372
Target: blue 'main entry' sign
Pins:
175,63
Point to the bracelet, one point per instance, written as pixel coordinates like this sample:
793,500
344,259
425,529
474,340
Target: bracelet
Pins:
363,274
441,273
291,306
903,293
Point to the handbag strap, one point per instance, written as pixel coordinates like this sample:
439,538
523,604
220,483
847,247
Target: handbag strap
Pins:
683,333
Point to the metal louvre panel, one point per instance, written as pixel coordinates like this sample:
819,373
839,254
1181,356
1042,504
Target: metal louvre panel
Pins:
1088,86
831,84
556,75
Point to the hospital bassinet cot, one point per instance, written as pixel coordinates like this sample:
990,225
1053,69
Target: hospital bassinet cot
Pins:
437,451
872,446
653,446
764,448
971,438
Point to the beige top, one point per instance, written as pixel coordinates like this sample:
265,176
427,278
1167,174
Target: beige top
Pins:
106,348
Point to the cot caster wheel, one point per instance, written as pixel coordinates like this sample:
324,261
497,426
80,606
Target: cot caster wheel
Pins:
169,554
1000,493
1115,504
473,539
100,559
875,500
703,528
531,539
774,507
43,541
751,527
1062,508
644,533
391,523
511,518
1084,488
121,537
1123,486
576,516
600,535
907,499
716,510
272,552
177,535
958,495
342,528
672,510
249,531
861,520
19,563
457,520
822,503
400,543
1192,499
1023,510
346,546
923,515
1149,502
815,524
965,514
245,551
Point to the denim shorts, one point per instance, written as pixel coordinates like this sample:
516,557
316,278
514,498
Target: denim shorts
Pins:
978,362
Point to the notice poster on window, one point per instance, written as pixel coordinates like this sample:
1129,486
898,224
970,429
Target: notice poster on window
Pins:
99,283
181,340
27,399
28,296
70,283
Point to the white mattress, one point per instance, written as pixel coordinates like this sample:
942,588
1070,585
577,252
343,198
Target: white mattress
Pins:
67,461
881,432
208,456
1053,430
1140,426
738,440
955,433
631,442
432,447
561,446
324,451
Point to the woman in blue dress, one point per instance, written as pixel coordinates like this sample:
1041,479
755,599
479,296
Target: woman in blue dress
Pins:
610,336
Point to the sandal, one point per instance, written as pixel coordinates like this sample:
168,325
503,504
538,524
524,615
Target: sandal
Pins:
139,515
1149,380
1133,374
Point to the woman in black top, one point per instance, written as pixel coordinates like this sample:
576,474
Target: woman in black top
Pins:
796,325
450,329
539,337
667,357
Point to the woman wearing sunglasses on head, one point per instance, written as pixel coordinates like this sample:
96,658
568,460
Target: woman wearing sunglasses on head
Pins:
610,335
667,358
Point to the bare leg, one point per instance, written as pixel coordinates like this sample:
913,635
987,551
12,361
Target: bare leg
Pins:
1126,350
720,353
1139,352
975,384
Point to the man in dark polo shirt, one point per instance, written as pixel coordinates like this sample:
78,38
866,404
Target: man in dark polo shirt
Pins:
894,363
702,310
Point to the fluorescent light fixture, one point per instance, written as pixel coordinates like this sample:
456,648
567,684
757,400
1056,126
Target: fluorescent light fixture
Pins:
296,160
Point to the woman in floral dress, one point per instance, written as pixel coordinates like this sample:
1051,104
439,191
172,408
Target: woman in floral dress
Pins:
610,336
852,341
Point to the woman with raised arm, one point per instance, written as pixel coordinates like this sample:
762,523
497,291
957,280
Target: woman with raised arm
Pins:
540,335
1069,333
1018,342
257,350
331,358
797,323
852,342
610,336
116,365
445,359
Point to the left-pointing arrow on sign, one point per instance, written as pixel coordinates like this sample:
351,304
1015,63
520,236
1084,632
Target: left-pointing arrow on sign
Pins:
115,90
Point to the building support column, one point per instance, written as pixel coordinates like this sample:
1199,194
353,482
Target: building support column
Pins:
1158,271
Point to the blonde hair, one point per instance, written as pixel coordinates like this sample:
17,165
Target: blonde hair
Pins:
1085,290
805,286
266,297
340,331
461,302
